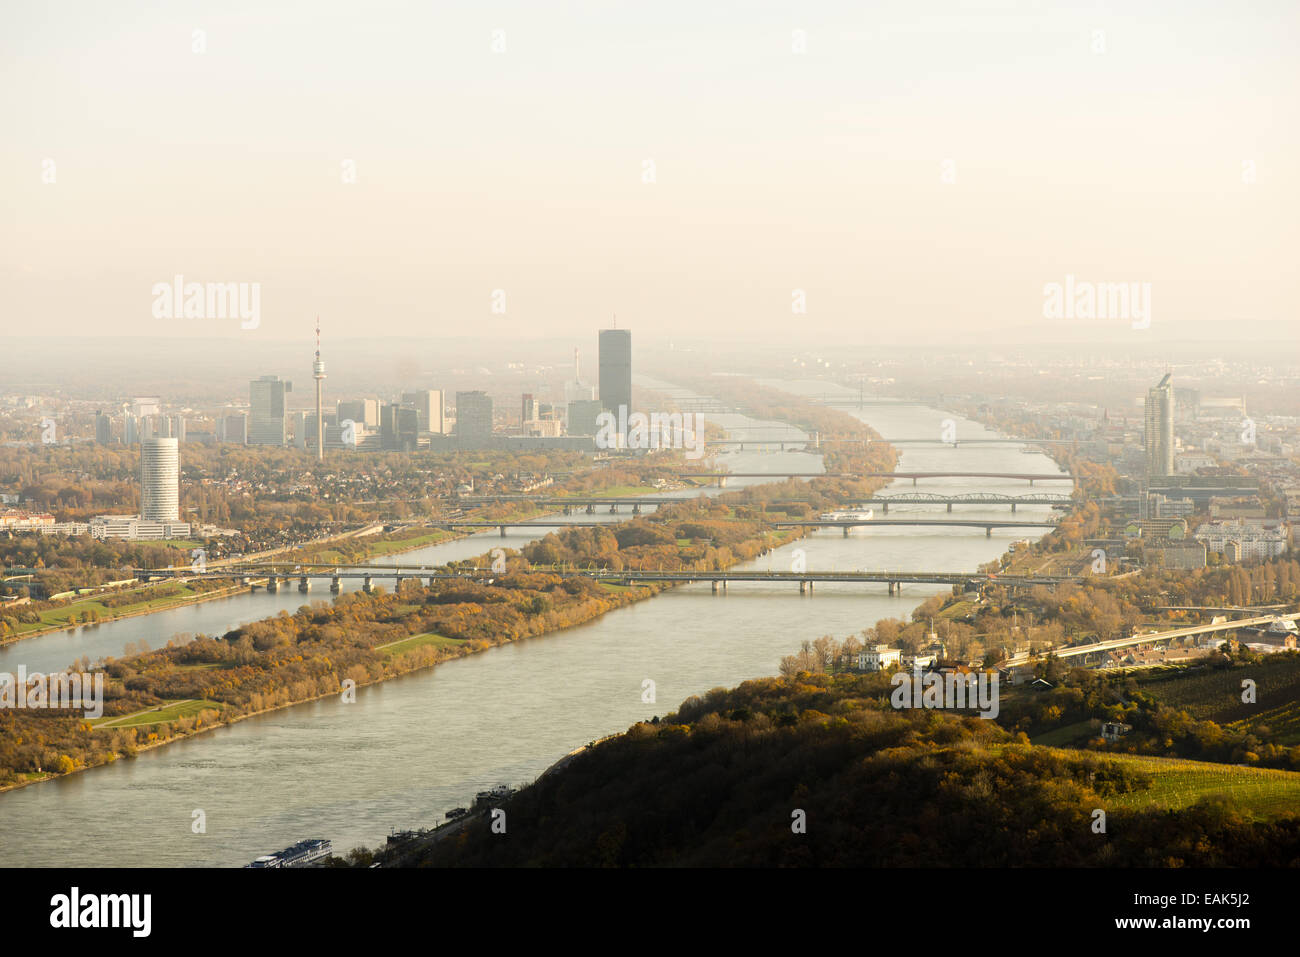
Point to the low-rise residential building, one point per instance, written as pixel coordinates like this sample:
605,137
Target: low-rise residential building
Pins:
17,520
1245,539
879,657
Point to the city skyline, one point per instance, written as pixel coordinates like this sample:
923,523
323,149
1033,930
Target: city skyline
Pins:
747,435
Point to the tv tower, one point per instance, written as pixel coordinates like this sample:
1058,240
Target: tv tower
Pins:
318,373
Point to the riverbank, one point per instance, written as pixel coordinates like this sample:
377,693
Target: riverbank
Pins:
470,616
411,749
375,550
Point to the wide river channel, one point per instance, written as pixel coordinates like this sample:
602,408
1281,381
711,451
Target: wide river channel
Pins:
410,749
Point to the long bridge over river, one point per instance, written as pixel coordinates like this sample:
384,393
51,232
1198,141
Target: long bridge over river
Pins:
273,574
794,440
592,502
985,523
1030,477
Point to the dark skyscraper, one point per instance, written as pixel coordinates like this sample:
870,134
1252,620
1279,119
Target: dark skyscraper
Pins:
267,408
399,428
1159,432
616,369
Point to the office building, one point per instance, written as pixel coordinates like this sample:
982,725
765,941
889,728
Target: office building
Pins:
160,480
473,414
399,428
233,428
299,420
583,414
134,527
1159,432
363,412
616,369
174,426
332,430
266,422
530,412
428,405
103,429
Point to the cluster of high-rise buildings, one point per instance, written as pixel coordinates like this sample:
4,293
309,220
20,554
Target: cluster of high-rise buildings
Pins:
425,418
420,419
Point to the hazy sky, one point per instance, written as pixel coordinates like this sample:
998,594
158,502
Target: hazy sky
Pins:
1163,149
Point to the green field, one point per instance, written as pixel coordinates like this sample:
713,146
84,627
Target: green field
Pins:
386,547
1261,792
162,714
1068,735
419,641
618,589
62,617
959,610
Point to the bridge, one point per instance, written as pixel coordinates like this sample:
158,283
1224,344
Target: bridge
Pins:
1229,610
987,524
276,573
505,525
568,503
592,502
971,498
798,440
955,443
842,398
1030,477
1103,648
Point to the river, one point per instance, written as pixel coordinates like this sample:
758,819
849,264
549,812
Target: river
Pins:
412,748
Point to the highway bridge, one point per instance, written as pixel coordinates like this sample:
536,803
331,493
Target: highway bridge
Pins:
1227,610
276,573
1101,649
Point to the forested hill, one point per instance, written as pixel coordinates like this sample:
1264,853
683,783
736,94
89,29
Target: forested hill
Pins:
719,784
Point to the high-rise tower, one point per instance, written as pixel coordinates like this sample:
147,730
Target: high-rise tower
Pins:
318,373
616,370
1159,431
160,480
266,410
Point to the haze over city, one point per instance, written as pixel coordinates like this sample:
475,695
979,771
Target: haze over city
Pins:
916,172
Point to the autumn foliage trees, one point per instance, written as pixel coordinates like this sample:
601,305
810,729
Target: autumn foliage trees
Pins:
731,772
